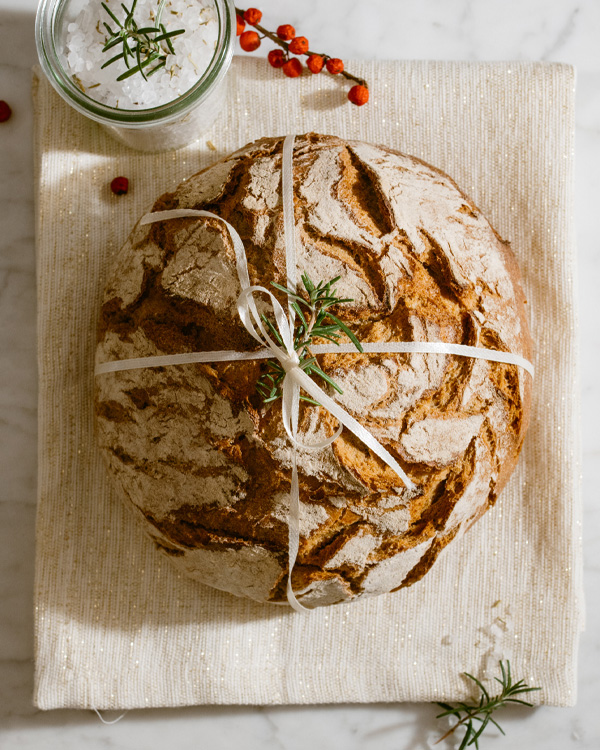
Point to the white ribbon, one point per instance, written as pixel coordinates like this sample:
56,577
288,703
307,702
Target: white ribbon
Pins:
296,378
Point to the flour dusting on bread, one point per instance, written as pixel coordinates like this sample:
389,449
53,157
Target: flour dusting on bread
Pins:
207,465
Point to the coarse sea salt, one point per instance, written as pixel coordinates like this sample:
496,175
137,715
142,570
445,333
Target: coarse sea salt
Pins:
194,50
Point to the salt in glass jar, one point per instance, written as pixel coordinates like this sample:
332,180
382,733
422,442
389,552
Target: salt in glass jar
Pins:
161,126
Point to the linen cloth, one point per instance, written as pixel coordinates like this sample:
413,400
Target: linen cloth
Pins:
116,626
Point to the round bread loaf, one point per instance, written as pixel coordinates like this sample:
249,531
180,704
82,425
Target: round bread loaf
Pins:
207,465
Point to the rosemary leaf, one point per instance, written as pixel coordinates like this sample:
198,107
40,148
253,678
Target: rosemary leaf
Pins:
309,400
138,57
272,328
347,331
111,44
113,59
112,15
300,314
289,293
325,376
168,35
137,69
334,338
308,285
156,67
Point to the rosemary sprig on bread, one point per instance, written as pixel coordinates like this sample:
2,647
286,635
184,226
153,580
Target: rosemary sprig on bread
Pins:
316,321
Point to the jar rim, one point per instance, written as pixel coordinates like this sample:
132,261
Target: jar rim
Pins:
61,80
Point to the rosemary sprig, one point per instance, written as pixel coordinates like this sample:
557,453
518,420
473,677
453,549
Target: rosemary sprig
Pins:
142,46
467,713
315,321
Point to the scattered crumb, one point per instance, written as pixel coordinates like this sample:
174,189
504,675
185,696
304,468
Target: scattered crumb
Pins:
211,145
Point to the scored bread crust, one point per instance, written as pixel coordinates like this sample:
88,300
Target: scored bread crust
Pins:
207,466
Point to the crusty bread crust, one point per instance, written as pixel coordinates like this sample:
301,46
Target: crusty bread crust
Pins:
207,466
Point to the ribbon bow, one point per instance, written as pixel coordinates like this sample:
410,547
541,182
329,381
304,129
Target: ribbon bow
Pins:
297,379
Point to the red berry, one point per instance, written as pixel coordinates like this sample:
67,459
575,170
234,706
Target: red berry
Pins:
286,32
120,185
292,68
240,25
315,63
249,41
252,16
334,65
358,95
276,58
5,111
299,45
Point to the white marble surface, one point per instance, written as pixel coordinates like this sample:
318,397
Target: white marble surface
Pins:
563,30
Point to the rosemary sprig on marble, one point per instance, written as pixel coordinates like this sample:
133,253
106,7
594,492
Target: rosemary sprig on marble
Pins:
141,46
468,713
315,321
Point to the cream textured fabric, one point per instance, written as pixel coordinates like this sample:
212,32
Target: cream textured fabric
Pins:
116,625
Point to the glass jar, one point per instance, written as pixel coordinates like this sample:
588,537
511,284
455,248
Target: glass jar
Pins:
159,128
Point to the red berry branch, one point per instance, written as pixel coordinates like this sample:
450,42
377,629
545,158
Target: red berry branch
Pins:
287,40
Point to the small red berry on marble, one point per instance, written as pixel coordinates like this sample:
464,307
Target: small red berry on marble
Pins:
5,111
240,25
120,185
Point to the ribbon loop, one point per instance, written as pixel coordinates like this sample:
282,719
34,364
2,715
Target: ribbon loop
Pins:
247,310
